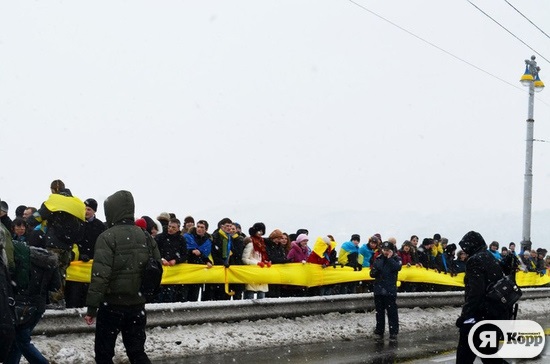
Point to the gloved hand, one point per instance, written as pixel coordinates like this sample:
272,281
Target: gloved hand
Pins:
268,264
358,268
84,258
261,264
459,322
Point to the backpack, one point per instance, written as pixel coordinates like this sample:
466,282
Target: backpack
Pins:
152,275
501,298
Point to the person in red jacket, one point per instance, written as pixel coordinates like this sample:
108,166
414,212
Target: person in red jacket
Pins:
405,253
324,254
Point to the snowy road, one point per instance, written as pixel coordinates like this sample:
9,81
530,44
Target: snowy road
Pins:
331,334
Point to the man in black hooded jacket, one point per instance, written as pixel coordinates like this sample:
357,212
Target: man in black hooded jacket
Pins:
482,270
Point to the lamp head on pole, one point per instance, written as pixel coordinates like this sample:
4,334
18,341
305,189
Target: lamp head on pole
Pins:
531,75
527,77
539,85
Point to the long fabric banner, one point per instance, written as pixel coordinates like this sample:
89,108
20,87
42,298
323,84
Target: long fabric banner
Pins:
298,274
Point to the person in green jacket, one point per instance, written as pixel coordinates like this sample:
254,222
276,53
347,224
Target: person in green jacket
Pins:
114,300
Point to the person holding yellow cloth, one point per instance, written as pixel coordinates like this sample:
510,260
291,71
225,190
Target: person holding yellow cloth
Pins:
58,224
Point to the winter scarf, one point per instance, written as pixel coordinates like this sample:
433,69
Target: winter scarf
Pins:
226,245
259,246
205,248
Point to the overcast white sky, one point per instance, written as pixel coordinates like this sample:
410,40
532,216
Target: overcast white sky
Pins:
313,114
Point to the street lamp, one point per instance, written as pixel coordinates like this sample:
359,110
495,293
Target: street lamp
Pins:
529,79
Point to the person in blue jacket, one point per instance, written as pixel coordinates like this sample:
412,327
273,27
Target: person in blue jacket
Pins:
493,249
368,250
384,270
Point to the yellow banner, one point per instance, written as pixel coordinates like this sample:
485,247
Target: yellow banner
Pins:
72,205
308,275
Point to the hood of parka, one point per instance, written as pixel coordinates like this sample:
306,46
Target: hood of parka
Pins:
472,243
119,206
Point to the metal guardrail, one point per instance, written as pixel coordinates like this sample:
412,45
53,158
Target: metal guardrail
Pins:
70,321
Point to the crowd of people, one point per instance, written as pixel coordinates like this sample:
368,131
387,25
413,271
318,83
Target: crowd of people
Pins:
71,235
39,244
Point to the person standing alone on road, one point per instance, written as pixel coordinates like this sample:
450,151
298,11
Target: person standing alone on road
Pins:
114,300
482,270
384,270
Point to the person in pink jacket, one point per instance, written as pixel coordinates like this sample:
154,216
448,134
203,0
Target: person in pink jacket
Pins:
299,251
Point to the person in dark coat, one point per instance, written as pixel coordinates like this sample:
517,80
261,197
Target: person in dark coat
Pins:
75,292
448,258
227,250
151,226
459,264
384,270
199,248
173,250
482,270
36,273
4,218
114,298
7,315
20,229
61,220
276,253
425,257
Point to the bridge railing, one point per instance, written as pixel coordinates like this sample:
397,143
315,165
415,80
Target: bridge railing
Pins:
71,321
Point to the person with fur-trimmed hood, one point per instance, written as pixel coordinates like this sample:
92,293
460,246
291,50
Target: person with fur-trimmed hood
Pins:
255,254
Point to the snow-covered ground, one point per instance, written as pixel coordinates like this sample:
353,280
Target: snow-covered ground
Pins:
181,341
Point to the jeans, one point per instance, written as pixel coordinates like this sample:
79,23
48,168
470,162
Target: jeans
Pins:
130,320
24,346
383,304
